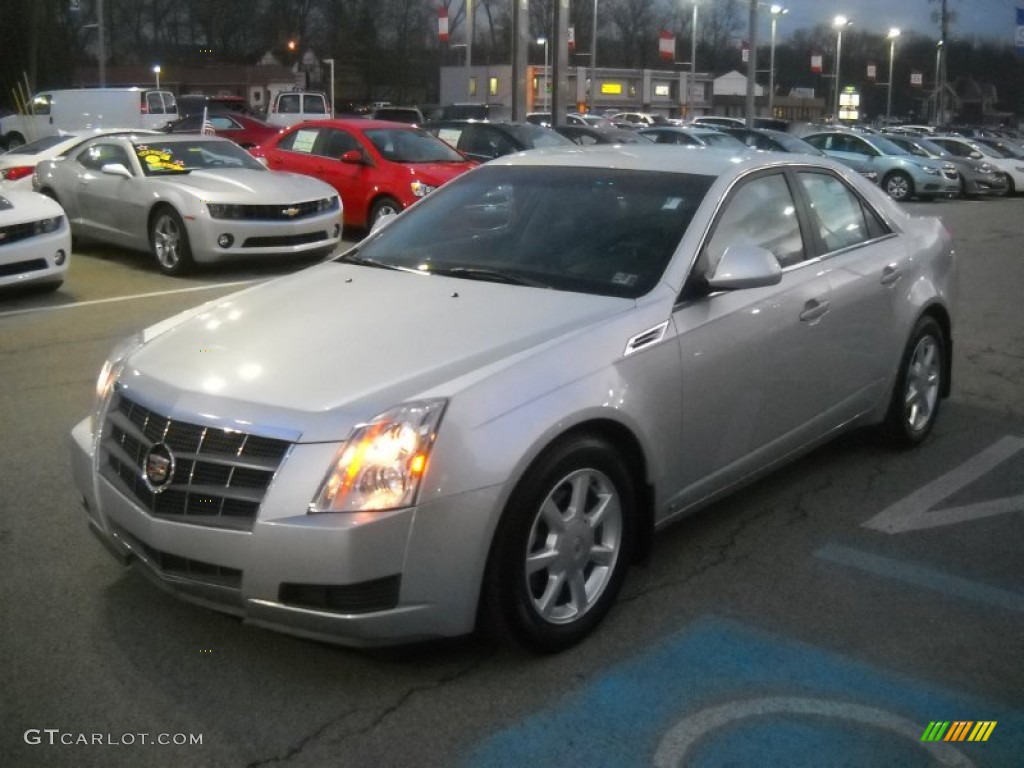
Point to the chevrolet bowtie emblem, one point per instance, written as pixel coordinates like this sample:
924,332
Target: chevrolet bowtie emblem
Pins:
290,211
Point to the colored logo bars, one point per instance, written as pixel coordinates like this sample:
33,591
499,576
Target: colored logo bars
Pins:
959,730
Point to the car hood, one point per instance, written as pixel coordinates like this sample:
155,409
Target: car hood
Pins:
318,351
435,173
242,184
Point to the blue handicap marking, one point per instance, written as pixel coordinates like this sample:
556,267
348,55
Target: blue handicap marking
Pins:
723,694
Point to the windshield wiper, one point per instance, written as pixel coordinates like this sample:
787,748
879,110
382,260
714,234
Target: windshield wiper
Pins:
350,257
484,273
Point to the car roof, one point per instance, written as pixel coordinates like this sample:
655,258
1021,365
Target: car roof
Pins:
640,157
354,123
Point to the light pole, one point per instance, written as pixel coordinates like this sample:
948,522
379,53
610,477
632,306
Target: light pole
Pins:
938,82
544,41
893,34
693,64
331,62
840,23
776,12
593,62
156,71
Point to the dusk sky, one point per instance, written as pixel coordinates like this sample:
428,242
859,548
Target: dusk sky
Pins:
983,18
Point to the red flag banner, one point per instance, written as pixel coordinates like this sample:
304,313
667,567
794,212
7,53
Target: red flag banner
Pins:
816,63
667,46
745,52
442,24
572,39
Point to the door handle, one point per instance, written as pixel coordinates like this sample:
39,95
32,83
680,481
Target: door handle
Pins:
814,309
891,274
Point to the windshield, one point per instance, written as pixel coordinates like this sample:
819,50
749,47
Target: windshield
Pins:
400,145
886,147
795,144
535,136
170,158
592,230
722,140
1002,148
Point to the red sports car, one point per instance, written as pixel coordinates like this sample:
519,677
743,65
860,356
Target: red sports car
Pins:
245,131
378,167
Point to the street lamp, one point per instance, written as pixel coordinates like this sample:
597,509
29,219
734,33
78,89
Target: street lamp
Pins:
693,64
776,11
893,34
938,83
593,62
331,62
156,71
544,41
840,23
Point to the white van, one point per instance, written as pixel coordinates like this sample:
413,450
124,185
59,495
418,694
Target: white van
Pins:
78,108
292,107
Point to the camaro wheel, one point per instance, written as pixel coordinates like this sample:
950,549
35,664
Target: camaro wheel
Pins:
562,548
899,186
919,385
169,240
383,207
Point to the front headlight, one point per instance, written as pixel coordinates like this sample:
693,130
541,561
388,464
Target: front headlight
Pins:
419,189
929,170
380,465
982,168
225,211
327,204
46,225
111,372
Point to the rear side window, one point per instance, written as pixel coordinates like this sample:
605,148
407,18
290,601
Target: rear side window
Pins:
289,103
303,140
839,216
153,103
314,104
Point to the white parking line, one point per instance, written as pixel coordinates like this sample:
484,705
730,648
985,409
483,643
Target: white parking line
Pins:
114,299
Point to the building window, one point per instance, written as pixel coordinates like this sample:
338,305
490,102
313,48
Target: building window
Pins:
472,86
611,89
662,90
493,86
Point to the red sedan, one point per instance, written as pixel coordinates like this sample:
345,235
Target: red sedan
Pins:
378,167
245,131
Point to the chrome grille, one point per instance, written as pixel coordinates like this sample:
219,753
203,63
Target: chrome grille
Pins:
220,476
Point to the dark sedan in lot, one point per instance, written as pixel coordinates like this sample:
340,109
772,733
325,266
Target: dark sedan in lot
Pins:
486,141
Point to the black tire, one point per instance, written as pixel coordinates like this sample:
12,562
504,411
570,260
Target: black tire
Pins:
14,140
920,384
168,240
578,563
899,186
382,207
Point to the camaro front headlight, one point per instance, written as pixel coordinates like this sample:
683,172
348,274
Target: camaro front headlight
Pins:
419,189
225,211
380,465
46,225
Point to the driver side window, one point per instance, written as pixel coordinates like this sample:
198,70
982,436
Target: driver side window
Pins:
760,213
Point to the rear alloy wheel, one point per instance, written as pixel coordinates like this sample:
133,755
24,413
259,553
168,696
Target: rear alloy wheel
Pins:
899,186
919,385
562,548
169,241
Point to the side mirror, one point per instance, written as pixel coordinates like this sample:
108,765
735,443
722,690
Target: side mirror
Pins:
353,157
977,156
745,266
116,169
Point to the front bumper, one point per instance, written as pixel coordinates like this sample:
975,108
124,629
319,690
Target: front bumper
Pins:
33,260
353,579
313,234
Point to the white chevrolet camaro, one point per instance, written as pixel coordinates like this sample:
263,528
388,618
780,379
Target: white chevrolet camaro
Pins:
481,414
35,241
189,199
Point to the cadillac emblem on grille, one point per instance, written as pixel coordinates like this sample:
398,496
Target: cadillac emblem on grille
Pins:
158,467
293,211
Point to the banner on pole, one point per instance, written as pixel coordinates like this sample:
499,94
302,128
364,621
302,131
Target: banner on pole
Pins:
745,52
667,46
572,39
816,63
442,24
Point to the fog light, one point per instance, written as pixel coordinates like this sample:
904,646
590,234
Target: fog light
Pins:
225,241
59,257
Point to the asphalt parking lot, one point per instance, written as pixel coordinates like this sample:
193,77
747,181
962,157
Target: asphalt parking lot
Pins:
827,616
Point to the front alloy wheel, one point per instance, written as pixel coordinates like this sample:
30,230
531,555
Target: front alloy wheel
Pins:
562,547
169,240
899,186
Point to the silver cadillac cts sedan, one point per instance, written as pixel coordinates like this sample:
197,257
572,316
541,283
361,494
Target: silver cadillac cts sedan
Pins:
189,199
480,414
